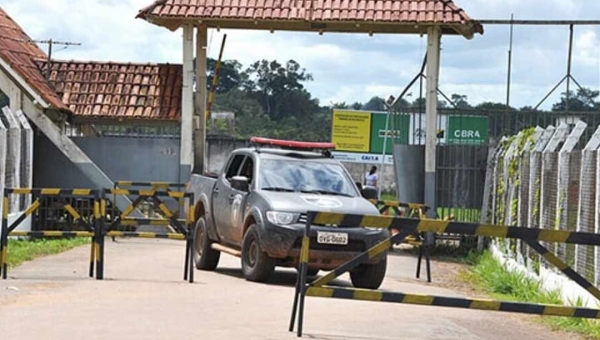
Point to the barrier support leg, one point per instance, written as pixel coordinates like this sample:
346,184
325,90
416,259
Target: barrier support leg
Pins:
92,257
299,293
191,250
419,261
187,256
4,237
100,234
428,263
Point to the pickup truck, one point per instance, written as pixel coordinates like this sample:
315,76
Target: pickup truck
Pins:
256,208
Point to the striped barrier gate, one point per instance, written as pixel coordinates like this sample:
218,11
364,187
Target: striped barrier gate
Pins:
89,225
183,227
406,227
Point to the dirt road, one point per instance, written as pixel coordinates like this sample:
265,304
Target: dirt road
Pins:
144,297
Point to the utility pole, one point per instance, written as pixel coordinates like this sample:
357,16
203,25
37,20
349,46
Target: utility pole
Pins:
50,43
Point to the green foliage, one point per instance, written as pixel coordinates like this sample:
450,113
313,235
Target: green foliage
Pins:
20,251
491,277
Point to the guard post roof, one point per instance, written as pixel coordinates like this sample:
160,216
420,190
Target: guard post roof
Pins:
350,16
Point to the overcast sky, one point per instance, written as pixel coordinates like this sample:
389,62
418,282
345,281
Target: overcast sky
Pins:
347,67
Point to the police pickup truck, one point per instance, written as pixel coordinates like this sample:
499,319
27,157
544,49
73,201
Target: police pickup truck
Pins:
256,208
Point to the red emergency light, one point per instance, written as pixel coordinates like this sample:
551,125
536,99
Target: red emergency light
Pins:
292,144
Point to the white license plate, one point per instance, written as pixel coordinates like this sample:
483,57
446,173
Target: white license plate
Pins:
325,237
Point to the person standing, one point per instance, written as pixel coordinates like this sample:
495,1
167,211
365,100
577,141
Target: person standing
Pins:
371,177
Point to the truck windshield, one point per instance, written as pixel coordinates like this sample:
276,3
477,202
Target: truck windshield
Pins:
307,177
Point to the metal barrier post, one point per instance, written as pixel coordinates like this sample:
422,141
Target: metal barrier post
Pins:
4,238
191,231
301,277
99,238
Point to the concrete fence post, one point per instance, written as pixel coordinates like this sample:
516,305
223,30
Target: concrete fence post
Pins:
13,156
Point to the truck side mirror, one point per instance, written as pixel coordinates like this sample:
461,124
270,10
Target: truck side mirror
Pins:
240,183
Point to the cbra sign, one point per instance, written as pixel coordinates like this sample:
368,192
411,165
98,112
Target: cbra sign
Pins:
472,130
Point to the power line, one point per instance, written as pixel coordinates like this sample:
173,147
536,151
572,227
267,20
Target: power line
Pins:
538,22
50,42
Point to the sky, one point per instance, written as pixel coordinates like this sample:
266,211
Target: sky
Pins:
348,67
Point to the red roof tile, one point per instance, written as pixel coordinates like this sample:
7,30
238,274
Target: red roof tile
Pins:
118,90
20,53
375,11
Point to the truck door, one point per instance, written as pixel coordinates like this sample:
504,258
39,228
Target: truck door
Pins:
224,197
248,170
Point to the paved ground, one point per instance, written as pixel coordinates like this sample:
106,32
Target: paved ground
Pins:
144,297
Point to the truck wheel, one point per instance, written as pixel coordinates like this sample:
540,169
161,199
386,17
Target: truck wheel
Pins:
369,276
205,257
257,266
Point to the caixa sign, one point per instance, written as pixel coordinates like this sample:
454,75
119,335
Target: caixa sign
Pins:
370,158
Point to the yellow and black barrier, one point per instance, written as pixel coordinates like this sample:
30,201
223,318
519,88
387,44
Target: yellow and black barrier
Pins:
183,227
406,227
89,225
95,224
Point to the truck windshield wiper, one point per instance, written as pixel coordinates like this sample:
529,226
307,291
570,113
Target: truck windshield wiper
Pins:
325,192
278,189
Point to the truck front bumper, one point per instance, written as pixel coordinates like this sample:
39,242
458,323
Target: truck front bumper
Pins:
284,242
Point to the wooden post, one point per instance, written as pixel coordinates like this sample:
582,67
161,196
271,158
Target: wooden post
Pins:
433,70
200,160
187,105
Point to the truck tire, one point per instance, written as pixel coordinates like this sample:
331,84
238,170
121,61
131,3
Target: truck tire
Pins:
257,266
369,276
205,257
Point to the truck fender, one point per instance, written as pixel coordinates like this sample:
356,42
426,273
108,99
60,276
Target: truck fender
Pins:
254,214
204,208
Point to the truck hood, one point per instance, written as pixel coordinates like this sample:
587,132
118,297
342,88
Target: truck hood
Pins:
301,203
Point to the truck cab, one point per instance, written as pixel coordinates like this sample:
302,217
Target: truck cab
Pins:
256,208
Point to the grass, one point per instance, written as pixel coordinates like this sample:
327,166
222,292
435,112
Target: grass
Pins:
491,277
20,251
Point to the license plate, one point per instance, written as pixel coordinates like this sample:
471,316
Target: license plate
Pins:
325,237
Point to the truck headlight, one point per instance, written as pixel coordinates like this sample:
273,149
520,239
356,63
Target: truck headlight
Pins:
282,218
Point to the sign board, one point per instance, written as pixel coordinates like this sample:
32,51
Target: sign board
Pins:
470,130
351,131
359,135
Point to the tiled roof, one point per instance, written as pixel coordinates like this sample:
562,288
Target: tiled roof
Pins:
118,90
17,50
375,11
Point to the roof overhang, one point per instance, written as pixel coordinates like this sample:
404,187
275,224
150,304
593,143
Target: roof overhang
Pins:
467,30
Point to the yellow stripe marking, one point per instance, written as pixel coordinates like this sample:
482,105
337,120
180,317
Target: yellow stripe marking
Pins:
555,261
418,299
177,194
159,185
191,216
53,233
129,222
559,236
21,191
176,236
18,233
369,295
72,211
97,213
128,211
319,292
147,192
415,206
92,252
485,304
325,279
32,208
52,191
4,255
5,207
103,207
559,311
97,249
380,248
115,233
146,235
124,183
304,252
119,192
492,230
432,226
376,221
328,218
165,210
81,192
160,222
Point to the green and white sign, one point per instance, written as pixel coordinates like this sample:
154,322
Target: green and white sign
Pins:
470,130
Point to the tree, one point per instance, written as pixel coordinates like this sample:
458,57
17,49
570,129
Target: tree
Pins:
582,101
230,75
375,104
279,88
460,101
